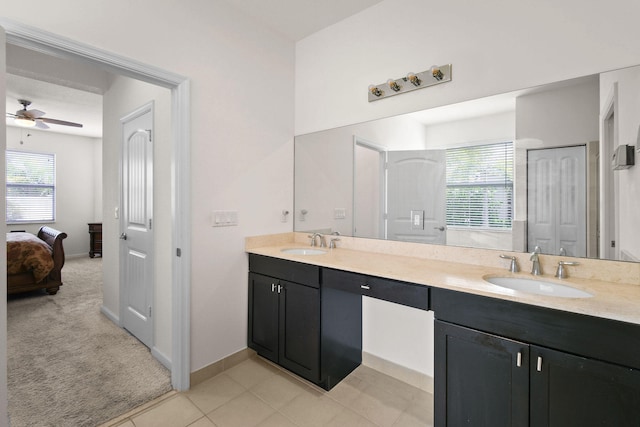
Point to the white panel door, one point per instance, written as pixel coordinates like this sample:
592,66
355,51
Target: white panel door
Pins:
416,196
137,224
557,201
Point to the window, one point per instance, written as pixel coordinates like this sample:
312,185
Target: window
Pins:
480,186
31,187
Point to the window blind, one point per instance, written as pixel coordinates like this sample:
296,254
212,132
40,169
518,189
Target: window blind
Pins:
480,186
30,187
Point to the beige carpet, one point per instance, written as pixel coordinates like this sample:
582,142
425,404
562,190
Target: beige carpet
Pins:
68,365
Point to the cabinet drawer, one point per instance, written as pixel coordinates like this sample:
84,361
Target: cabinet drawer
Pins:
404,293
291,271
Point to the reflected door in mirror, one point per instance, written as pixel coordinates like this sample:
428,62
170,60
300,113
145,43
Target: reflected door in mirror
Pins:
557,207
416,192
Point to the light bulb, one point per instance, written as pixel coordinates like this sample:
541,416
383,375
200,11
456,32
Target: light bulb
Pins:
375,91
415,80
393,85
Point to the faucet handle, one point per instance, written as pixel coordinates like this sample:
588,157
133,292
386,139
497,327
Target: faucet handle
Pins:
514,263
561,272
332,243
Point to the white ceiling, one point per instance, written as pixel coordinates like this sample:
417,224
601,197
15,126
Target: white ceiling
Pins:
297,19
76,99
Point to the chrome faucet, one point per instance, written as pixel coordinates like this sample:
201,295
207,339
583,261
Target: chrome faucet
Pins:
514,263
323,243
535,266
561,272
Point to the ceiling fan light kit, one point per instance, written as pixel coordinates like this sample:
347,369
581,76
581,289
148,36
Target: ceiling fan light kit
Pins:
25,122
34,118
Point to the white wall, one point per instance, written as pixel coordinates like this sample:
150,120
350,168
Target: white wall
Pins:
628,180
241,133
76,181
124,96
494,47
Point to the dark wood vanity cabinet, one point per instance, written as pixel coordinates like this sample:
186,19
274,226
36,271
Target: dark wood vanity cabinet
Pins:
480,379
308,319
569,390
500,363
284,316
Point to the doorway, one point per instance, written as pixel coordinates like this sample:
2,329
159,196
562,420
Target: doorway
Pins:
369,183
47,43
608,185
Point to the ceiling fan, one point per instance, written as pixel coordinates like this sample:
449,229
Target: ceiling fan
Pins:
31,118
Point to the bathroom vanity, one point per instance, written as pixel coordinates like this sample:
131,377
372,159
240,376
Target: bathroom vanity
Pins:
501,358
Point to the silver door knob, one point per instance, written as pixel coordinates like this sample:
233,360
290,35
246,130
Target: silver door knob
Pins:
441,228
123,236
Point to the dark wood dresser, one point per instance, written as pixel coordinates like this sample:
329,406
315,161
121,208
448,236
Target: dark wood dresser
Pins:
95,239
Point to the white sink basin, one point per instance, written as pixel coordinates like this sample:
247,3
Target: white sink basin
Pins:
539,287
303,251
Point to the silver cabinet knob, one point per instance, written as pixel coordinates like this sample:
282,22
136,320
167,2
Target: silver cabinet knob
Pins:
123,236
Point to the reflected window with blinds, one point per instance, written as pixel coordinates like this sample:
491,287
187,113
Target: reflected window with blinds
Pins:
30,187
480,186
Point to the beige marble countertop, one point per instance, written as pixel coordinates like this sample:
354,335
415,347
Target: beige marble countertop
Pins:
617,301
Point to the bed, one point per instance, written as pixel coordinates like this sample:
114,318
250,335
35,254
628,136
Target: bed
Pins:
35,262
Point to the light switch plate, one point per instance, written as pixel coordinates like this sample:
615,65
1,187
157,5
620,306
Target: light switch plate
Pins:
417,220
339,213
224,218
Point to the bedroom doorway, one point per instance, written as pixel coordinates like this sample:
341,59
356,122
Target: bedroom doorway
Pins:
50,44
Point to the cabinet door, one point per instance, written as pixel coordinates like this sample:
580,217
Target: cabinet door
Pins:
300,330
568,390
263,315
481,380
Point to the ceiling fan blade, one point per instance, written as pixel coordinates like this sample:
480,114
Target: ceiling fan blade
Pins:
59,122
35,114
11,115
41,125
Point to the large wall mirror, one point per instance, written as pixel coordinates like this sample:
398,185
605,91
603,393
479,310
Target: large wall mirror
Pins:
541,168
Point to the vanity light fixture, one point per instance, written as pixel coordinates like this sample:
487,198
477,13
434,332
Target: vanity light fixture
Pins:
435,75
394,85
375,91
415,80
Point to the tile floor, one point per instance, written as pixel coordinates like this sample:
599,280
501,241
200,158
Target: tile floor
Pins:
257,393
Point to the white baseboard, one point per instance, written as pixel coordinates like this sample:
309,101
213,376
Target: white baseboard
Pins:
161,357
73,256
402,373
110,315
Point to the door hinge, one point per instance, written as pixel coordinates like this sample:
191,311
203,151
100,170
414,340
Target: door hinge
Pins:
149,132
150,224
149,311
178,252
